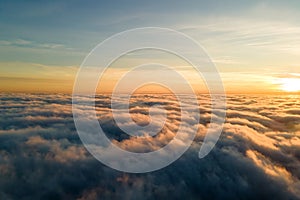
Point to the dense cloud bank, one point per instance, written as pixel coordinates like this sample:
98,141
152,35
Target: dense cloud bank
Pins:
257,156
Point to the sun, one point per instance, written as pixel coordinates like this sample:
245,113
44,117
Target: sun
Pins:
290,84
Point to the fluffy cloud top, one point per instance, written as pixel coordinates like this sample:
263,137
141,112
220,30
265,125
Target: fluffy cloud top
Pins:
257,156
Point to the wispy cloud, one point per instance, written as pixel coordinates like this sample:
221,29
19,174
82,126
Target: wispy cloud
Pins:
33,44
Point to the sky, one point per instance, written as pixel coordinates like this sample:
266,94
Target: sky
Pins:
255,45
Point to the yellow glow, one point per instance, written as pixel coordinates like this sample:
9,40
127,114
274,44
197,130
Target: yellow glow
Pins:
290,84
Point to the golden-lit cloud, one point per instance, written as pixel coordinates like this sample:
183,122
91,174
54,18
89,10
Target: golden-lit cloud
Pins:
258,151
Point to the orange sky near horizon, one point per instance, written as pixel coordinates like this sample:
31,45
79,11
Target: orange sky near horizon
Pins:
61,80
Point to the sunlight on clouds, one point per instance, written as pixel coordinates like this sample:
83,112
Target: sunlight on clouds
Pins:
271,169
274,170
257,153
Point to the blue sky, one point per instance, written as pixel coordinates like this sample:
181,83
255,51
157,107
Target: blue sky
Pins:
240,36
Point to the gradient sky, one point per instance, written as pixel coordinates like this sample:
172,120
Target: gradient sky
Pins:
254,44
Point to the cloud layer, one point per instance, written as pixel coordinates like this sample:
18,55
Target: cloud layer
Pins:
257,156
